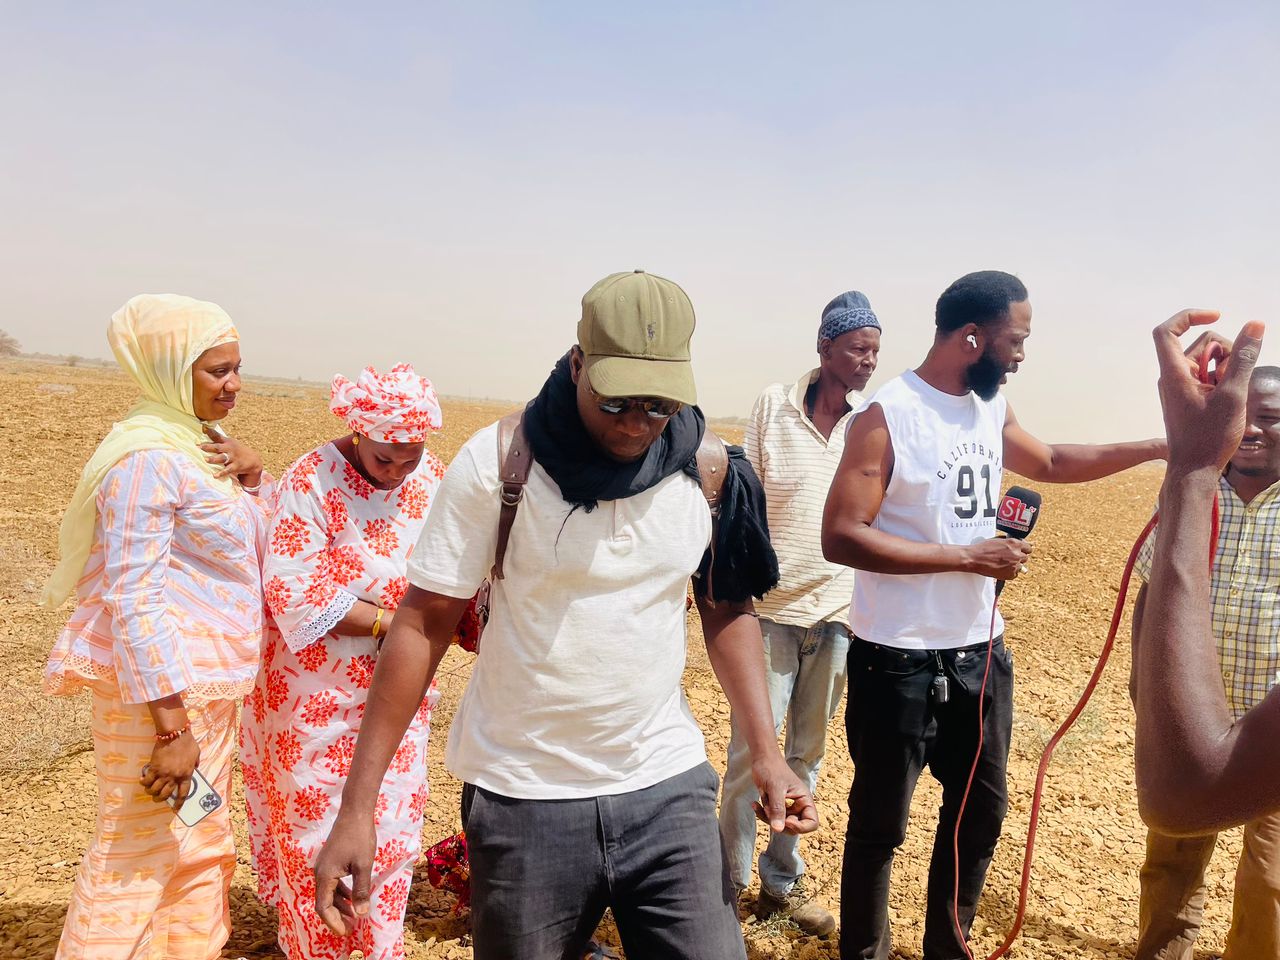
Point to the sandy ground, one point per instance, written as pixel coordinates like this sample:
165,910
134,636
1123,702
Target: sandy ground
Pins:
1085,887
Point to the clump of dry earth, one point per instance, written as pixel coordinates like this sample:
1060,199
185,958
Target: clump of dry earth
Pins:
1084,899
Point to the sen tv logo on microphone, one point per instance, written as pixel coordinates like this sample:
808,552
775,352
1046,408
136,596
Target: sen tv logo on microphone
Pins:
1016,515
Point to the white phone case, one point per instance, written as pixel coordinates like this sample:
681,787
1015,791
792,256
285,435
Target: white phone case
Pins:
202,801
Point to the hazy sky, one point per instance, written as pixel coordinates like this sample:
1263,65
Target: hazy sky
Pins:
365,183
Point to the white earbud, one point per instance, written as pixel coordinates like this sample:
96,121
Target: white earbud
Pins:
973,341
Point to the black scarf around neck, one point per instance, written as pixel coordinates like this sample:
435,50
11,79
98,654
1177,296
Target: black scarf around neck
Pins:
745,564
562,446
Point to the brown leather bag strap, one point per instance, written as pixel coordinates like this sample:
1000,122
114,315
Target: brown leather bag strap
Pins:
517,461
513,452
713,464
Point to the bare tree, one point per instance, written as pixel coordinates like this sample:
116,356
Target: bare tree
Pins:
9,345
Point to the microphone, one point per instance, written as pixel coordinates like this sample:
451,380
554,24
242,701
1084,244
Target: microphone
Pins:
1017,516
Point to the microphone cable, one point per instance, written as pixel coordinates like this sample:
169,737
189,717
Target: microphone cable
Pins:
1213,351
1045,757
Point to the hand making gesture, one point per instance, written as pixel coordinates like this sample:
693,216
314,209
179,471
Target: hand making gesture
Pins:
1204,409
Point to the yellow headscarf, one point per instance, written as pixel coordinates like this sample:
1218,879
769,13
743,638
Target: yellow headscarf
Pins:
156,339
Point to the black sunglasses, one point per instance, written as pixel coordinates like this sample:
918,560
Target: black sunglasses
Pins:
654,407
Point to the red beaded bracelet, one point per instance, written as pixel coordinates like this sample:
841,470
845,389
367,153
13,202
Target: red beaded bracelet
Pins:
173,734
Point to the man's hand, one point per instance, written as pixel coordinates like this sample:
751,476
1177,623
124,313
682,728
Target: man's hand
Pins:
1000,557
784,803
735,649
1204,420
349,851
1208,353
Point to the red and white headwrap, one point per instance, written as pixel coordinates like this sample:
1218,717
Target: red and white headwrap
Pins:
395,407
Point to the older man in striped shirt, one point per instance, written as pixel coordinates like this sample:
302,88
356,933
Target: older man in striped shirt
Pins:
794,441
1245,612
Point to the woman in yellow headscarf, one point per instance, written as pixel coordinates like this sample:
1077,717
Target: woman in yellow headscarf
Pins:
161,546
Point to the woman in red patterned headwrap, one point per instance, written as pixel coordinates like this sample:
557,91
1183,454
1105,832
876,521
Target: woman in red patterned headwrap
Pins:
345,519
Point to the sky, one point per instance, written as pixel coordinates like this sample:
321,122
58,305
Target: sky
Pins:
440,183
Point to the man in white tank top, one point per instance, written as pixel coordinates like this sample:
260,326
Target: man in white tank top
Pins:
913,508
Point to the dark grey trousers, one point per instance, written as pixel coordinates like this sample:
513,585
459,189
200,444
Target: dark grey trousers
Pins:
544,871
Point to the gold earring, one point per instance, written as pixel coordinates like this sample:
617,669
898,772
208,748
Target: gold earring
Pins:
355,439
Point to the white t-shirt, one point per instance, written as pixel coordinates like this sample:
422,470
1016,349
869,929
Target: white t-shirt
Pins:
576,691
948,464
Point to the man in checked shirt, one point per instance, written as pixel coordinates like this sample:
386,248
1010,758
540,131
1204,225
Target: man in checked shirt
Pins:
1245,601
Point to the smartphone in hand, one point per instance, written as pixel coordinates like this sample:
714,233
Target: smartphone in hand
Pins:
200,802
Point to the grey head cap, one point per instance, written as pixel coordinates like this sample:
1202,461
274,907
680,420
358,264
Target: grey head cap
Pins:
849,311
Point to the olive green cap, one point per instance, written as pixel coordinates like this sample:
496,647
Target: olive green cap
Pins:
635,332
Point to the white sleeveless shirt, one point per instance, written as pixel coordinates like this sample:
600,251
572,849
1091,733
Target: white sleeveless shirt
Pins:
948,454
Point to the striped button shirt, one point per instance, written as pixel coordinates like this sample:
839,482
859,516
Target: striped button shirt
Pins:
797,464
170,600
1244,593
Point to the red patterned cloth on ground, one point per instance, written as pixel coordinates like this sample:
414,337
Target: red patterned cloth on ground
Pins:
467,633
448,868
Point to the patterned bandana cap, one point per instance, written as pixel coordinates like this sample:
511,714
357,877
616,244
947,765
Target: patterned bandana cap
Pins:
395,407
849,311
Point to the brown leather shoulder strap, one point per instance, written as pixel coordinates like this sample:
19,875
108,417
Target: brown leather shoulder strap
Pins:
516,461
713,463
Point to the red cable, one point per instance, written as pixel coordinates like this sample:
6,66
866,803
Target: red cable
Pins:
1047,755
1213,352
964,800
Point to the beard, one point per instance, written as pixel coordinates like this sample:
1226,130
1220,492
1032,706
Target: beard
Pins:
1264,470
984,375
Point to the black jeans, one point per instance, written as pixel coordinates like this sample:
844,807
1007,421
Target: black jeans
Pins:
543,872
895,728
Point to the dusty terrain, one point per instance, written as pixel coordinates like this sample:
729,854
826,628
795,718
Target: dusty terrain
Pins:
1085,887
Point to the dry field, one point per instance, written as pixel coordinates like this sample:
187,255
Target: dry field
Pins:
1085,887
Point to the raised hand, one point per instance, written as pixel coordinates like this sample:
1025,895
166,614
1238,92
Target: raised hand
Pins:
234,458
1204,421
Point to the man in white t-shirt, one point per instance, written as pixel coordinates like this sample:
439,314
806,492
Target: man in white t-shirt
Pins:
794,441
913,509
587,781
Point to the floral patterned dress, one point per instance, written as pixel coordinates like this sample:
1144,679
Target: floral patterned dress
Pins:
334,539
